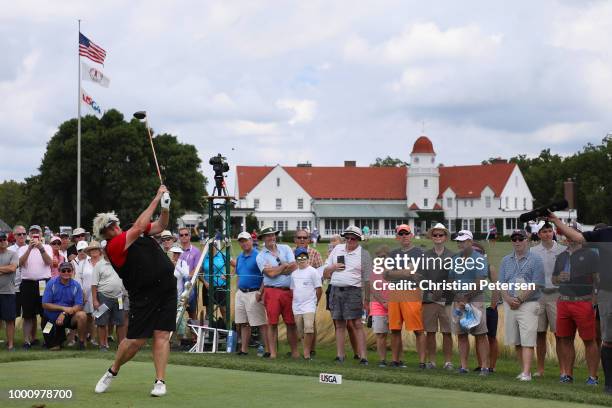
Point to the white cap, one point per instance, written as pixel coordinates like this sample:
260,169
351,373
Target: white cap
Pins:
81,245
354,231
464,235
78,231
176,250
244,235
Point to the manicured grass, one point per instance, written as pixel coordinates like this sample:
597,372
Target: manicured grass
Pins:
496,386
199,386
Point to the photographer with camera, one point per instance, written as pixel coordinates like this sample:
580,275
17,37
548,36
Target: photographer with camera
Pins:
35,261
604,291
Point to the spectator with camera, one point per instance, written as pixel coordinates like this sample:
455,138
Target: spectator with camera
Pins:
349,267
8,304
521,306
548,249
35,263
576,273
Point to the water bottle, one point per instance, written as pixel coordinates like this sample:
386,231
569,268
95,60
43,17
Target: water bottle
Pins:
231,341
260,350
364,317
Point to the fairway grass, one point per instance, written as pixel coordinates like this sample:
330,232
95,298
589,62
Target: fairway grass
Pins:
213,387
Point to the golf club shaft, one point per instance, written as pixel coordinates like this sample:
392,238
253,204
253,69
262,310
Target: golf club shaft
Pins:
154,155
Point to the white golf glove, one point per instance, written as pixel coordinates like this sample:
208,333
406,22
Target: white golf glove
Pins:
165,201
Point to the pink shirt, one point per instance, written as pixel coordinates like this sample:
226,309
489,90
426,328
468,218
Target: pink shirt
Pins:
57,260
35,268
376,307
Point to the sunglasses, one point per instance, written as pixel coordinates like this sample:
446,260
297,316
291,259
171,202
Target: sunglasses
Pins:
56,243
79,236
183,235
517,239
301,237
20,234
65,270
302,258
351,238
168,239
438,235
3,240
403,233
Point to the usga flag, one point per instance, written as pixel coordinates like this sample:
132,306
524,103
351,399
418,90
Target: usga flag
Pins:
89,101
89,73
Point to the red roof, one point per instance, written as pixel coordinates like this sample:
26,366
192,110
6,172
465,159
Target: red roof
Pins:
382,183
413,206
423,145
469,181
437,207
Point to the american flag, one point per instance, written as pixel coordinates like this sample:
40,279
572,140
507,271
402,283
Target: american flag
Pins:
90,50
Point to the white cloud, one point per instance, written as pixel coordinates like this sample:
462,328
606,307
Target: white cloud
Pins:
250,128
303,111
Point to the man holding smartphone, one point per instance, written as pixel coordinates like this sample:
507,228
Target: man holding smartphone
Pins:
35,262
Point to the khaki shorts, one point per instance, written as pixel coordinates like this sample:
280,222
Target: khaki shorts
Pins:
249,310
477,330
380,324
521,325
437,316
548,312
305,323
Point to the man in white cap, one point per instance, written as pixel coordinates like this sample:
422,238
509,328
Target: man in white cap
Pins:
469,267
78,235
437,304
148,275
277,262
349,267
167,241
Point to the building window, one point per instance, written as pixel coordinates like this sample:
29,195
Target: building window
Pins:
524,203
516,181
467,224
488,201
471,203
391,223
336,225
450,224
261,224
300,203
507,202
510,224
425,183
515,203
281,225
465,203
425,203
256,203
486,223
449,202
279,203
278,182
416,159
304,225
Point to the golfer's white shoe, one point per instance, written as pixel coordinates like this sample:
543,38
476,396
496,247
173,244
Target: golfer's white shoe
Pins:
159,388
104,382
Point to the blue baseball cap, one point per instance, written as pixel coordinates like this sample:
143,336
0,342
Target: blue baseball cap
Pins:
301,251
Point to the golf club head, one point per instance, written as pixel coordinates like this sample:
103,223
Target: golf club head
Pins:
140,115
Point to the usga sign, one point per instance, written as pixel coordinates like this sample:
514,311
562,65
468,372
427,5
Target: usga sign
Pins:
325,378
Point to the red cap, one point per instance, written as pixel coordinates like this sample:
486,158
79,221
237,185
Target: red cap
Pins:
402,227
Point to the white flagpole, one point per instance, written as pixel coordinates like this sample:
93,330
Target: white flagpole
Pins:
78,220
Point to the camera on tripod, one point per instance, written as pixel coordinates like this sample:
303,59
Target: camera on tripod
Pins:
220,167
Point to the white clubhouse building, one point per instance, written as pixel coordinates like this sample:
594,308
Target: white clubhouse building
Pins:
331,198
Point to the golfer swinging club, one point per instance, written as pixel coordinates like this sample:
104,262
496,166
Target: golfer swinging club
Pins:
148,276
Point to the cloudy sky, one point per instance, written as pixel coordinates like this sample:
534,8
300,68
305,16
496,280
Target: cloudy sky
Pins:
267,82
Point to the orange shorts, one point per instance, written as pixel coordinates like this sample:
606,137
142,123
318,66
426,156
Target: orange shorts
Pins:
410,313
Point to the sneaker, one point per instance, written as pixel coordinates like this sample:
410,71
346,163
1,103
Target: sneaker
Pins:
430,365
524,377
10,349
55,348
159,388
382,364
398,364
313,353
538,375
93,342
449,366
339,360
363,362
242,353
477,369
484,372
463,370
71,343
104,348
105,382
356,357
110,339
491,371
592,381
422,366
27,346
566,379
266,355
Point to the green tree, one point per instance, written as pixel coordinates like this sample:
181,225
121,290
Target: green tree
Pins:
14,206
118,172
389,162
